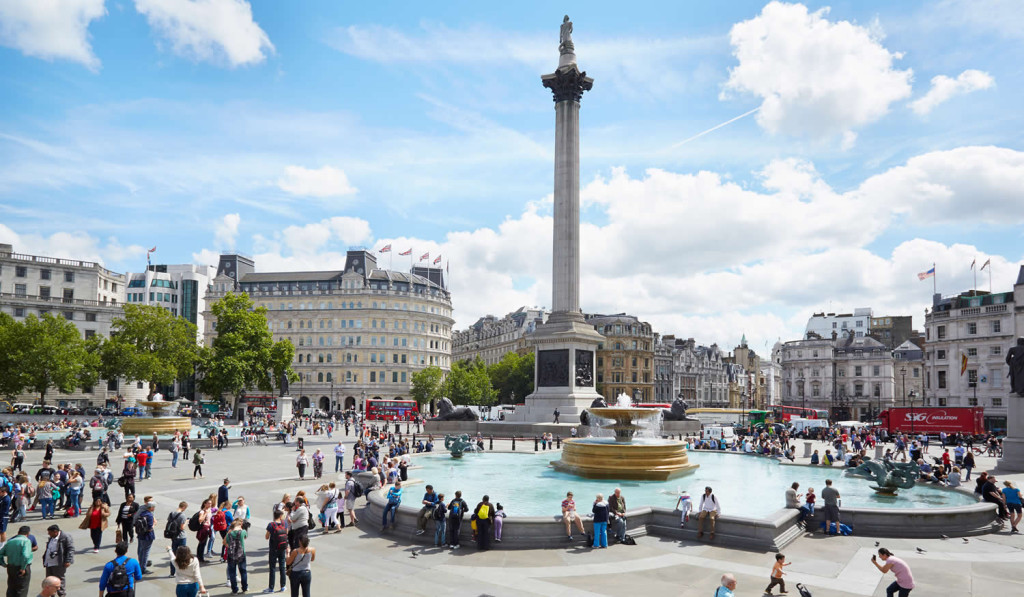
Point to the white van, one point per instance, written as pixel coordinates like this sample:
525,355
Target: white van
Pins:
797,425
718,433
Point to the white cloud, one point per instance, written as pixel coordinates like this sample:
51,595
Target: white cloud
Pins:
208,30
51,29
944,88
71,245
324,182
226,231
815,77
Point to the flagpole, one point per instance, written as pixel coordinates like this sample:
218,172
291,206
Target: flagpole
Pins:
974,267
935,282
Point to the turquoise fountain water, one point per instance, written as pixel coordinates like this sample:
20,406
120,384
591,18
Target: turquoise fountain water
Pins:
526,485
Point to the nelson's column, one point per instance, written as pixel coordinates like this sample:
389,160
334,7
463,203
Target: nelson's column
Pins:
565,345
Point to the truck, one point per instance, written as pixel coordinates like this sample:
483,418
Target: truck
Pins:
931,420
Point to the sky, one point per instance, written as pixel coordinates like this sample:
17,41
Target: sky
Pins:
743,164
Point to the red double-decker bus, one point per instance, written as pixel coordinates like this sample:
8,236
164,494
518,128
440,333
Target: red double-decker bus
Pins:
785,413
391,410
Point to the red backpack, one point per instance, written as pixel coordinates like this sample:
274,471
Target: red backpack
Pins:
220,521
278,536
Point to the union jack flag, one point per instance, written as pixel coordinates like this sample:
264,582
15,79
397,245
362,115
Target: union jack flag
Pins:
409,252
386,249
437,260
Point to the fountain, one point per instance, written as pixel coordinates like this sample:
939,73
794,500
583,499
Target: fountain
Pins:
624,456
160,422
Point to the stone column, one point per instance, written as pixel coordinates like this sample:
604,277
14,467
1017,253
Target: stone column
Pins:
1013,444
567,85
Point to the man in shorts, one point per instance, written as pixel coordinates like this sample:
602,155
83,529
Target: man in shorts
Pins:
830,496
569,515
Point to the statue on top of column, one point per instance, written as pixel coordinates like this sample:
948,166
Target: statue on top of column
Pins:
565,37
1015,359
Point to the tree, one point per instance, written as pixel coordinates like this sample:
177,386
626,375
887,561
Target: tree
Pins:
512,377
244,354
150,344
468,383
52,355
427,385
12,335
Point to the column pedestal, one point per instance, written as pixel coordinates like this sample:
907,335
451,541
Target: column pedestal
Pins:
284,410
1013,445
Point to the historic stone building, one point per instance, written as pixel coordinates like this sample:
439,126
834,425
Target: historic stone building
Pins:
625,357
699,373
359,333
663,393
752,383
83,292
490,338
852,377
967,337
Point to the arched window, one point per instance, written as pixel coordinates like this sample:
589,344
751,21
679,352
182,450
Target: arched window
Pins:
320,357
320,377
329,378
302,324
309,358
328,357
289,325
300,358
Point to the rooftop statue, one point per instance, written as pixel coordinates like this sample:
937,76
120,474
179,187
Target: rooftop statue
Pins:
565,37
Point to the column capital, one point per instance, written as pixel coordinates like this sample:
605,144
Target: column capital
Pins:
567,83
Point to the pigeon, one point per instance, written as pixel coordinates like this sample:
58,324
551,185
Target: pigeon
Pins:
414,554
944,537
877,543
965,540
919,550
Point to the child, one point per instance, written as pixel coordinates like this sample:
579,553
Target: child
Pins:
684,505
776,578
499,518
809,501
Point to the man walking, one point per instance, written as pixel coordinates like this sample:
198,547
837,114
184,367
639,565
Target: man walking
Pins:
144,525
175,530
16,556
708,508
223,492
120,574
58,555
350,499
830,496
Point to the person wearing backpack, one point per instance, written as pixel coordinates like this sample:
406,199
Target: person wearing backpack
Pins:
145,523
175,530
277,536
352,491
120,574
16,556
201,522
234,548
98,485
440,516
708,508
456,510
95,520
484,513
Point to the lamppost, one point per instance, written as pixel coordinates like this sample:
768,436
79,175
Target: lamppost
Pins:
362,405
903,373
333,406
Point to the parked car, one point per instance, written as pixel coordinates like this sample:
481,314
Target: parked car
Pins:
131,411
92,411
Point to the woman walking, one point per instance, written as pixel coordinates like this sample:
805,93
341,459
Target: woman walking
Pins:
318,464
96,521
205,532
1013,504
197,462
300,463
125,518
298,561
187,576
904,582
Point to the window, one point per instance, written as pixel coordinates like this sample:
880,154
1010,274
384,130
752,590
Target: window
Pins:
815,354
876,370
997,327
972,377
917,372
997,402
942,380
972,352
69,315
19,312
941,331
857,371
20,271
972,401
69,276
44,292
996,350
972,328
373,377
860,324
44,274
940,355
89,334
876,390
858,389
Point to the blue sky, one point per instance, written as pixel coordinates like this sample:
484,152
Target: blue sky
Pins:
292,131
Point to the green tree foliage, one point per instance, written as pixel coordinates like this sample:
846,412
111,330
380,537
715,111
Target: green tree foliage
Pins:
150,344
427,385
52,354
512,377
468,383
12,341
244,354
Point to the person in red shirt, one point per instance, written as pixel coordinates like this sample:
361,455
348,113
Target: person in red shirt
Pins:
946,464
142,457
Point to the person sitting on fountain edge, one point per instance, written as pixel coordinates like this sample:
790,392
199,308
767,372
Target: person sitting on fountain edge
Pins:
708,508
569,515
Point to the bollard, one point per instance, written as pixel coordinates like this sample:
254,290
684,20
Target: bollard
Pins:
407,428
558,441
492,443
513,443
414,439
535,443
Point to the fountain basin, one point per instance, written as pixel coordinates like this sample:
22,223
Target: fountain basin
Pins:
604,458
158,423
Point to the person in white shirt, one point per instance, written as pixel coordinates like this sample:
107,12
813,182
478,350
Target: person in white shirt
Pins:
708,508
339,457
